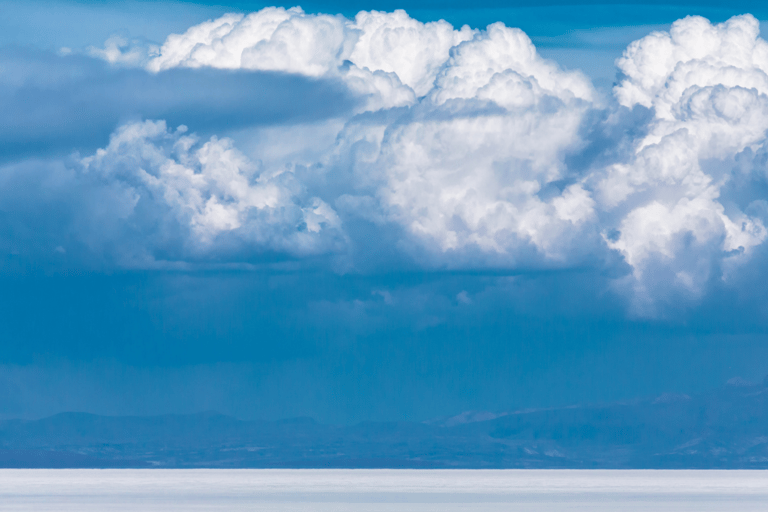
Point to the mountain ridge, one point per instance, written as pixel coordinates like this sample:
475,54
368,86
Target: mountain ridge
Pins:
724,428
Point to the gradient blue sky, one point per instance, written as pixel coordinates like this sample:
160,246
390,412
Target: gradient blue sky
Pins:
365,325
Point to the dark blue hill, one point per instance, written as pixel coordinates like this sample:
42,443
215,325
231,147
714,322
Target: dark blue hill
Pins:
727,428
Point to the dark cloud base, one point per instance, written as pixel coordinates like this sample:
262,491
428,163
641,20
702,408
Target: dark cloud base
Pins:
344,349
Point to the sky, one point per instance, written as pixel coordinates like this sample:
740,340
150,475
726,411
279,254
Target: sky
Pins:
379,211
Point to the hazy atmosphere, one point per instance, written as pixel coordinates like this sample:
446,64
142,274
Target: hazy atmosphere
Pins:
352,212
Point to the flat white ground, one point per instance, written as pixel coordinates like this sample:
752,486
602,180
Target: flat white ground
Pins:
148,490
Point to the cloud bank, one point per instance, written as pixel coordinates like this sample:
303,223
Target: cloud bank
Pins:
460,150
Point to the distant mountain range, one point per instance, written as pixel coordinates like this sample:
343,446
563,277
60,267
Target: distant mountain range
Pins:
727,428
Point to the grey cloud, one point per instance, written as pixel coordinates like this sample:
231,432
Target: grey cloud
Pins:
51,103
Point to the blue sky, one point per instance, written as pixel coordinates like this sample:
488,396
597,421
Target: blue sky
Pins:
337,221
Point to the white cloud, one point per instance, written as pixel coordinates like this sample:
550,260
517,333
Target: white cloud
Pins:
396,43
501,64
290,40
467,148
474,182
660,67
212,190
498,151
284,40
390,56
465,170
706,85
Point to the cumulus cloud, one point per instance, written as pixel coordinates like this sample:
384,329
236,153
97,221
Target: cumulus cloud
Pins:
273,39
467,169
213,190
706,85
507,141
660,67
396,43
389,56
501,64
292,41
154,196
473,150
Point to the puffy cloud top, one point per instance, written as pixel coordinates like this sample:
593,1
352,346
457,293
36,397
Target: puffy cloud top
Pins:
396,43
661,67
289,40
502,64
